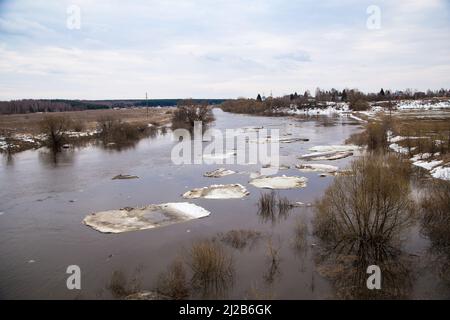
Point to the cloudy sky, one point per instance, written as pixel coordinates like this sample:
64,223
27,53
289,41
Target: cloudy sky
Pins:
219,48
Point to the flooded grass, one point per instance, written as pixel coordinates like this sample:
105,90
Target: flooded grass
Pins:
212,268
173,283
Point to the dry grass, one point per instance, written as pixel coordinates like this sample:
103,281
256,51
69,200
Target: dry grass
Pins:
29,123
211,265
436,212
300,234
120,286
273,259
173,283
271,206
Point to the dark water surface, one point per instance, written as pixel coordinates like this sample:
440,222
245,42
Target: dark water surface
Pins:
42,204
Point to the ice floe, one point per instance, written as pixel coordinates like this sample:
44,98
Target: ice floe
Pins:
316,167
335,148
149,217
218,191
218,173
330,155
282,182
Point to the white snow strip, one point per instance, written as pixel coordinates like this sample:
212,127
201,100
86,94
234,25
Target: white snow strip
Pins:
441,173
427,165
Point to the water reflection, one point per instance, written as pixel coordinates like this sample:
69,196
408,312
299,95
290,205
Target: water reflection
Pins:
436,225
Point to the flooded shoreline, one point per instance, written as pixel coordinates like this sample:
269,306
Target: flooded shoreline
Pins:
44,201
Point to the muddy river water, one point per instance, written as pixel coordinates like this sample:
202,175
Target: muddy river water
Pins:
43,201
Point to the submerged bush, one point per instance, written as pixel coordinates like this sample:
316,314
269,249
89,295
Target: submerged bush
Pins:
372,204
173,283
360,220
55,128
188,112
211,265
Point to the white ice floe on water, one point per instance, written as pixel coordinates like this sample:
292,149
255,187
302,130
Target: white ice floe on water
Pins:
218,191
316,167
441,173
218,173
428,165
282,182
329,155
149,217
335,148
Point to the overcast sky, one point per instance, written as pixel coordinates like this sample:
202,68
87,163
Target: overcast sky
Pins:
219,49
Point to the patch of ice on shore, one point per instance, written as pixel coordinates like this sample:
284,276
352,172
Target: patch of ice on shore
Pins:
399,149
335,148
319,156
357,118
441,173
282,182
428,165
149,217
218,191
218,173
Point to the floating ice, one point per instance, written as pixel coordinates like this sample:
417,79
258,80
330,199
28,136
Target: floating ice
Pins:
282,182
316,167
218,173
149,217
218,191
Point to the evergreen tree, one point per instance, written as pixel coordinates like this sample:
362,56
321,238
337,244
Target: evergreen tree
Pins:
258,98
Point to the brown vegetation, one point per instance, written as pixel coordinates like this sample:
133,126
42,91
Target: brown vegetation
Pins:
188,112
211,266
173,283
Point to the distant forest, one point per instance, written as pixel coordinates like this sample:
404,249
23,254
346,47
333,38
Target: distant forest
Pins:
60,105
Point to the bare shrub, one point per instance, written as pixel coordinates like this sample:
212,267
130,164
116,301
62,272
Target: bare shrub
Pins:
173,283
371,205
266,204
120,286
211,265
273,258
360,221
188,112
357,101
55,127
436,213
113,130
273,207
